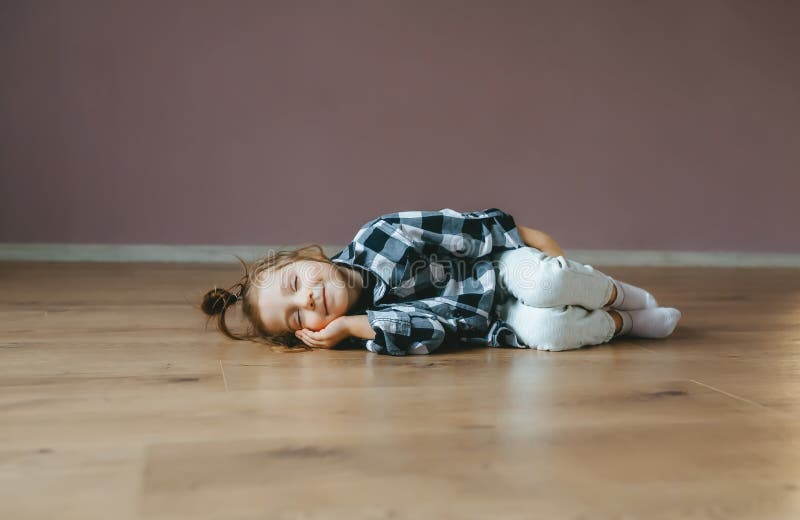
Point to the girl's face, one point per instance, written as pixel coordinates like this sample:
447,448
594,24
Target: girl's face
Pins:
305,294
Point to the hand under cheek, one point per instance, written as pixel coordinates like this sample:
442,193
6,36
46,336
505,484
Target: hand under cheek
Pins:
307,333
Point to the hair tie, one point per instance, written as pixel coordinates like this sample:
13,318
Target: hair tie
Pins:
237,296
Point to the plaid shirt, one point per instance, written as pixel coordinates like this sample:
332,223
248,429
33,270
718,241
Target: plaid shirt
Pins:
433,278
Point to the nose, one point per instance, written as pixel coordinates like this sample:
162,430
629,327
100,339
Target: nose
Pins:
310,302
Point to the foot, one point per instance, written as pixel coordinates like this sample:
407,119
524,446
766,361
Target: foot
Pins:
659,322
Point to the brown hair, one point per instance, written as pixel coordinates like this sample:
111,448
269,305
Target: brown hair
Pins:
218,300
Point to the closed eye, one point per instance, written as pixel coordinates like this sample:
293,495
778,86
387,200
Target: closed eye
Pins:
299,323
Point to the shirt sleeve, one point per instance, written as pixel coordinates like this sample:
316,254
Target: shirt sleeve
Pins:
472,234
402,329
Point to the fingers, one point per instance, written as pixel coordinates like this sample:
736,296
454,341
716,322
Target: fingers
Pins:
312,338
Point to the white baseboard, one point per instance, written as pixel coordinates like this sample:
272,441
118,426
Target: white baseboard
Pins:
224,254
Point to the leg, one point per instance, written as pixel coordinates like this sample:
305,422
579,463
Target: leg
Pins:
617,321
613,297
558,328
540,280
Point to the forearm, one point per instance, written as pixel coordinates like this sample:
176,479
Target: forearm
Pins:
541,241
359,327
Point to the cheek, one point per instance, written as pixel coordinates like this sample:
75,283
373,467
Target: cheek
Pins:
317,324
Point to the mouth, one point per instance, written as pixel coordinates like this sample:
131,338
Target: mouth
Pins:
324,303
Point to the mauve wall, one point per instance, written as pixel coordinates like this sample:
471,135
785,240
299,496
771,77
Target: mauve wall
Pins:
608,124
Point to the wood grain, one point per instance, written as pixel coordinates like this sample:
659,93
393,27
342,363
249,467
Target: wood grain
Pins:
116,403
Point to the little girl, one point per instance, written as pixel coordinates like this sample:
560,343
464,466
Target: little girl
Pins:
412,280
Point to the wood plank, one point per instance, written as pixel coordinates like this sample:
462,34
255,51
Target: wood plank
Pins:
114,400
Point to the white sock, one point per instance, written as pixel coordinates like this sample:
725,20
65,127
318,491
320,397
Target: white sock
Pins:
649,323
631,298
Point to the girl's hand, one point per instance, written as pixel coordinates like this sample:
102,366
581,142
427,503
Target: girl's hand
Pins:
333,334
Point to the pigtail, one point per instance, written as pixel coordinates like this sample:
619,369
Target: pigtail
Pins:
217,300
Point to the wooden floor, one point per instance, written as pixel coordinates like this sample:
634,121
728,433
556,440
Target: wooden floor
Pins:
116,403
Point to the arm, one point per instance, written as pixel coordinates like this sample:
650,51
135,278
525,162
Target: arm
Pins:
398,330
360,327
472,234
540,240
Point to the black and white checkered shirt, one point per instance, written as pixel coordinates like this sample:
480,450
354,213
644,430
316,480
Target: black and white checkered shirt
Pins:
433,278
